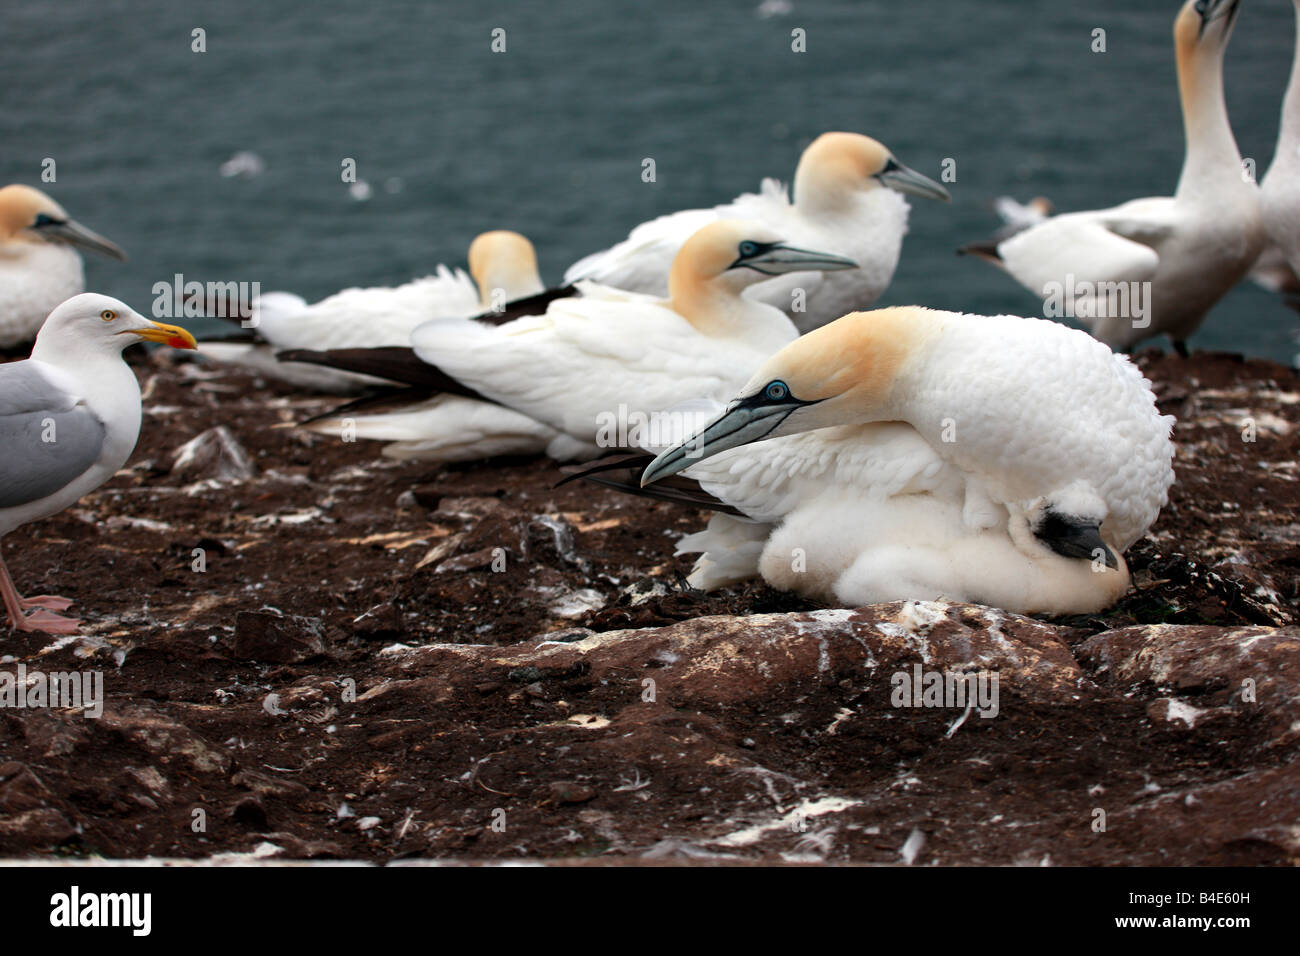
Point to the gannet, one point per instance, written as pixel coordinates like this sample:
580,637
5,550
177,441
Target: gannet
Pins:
847,199
557,377
1279,264
39,267
1191,248
69,419
914,454
502,269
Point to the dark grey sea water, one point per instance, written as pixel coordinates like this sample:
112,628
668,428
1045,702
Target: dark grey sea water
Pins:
548,137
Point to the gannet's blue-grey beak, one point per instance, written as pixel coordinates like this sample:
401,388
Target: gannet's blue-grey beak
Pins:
904,180
1211,10
745,421
73,233
777,258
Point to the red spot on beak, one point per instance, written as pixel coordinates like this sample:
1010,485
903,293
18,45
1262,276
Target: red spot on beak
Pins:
177,342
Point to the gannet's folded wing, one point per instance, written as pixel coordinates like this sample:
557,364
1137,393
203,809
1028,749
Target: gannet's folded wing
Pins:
769,479
575,366
1149,221
642,260
356,317
1110,246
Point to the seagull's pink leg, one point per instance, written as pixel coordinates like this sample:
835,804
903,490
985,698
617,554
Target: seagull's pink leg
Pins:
48,622
51,602
38,620
13,603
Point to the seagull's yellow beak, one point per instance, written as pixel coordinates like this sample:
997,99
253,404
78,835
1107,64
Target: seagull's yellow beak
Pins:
172,335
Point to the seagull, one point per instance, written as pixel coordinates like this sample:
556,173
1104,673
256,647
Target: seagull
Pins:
502,269
1155,266
909,453
69,418
1279,263
847,199
554,382
39,267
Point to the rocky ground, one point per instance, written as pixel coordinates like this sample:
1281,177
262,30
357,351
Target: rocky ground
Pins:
311,652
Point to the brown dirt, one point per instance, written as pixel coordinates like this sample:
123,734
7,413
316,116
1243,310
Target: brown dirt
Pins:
345,589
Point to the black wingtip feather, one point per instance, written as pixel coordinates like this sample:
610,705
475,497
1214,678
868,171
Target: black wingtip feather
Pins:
394,364
381,400
623,473
532,305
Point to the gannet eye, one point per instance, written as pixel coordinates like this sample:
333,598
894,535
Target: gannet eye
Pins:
776,391
108,315
748,249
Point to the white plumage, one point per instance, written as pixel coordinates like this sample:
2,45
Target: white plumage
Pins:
361,317
846,200
503,268
1191,248
1028,410
451,428
917,454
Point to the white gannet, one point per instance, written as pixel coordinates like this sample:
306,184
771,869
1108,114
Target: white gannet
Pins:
39,267
908,453
502,269
1279,263
847,200
1192,247
69,419
556,379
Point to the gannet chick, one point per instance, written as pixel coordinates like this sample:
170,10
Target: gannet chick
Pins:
502,269
847,199
557,378
39,265
1191,248
69,418
1072,461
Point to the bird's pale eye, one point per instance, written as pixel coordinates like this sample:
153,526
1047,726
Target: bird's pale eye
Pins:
748,249
108,315
776,391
